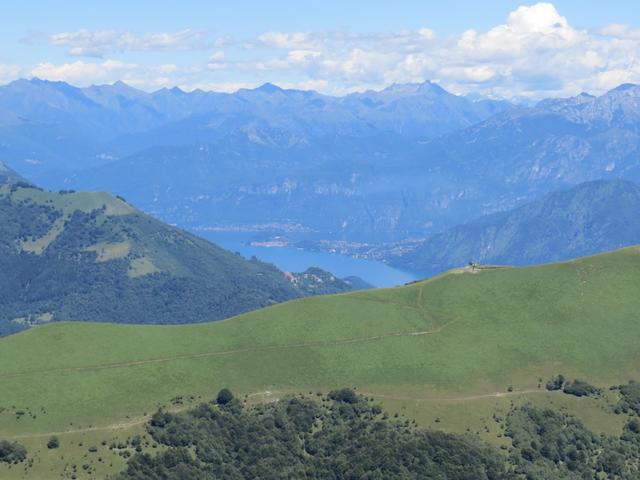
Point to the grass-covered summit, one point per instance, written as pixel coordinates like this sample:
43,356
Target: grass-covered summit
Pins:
91,256
462,334
451,351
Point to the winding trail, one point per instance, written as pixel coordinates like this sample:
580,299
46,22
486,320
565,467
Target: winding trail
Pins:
134,363
114,426
266,348
268,393
457,399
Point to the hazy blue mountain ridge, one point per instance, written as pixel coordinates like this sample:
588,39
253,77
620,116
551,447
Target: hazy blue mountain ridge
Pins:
53,128
353,167
589,218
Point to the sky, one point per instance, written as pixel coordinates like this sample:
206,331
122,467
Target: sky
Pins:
500,49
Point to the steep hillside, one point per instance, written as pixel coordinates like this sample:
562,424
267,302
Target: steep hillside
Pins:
462,334
590,218
457,352
91,256
7,175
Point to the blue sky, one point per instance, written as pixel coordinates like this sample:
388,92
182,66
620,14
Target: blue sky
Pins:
497,48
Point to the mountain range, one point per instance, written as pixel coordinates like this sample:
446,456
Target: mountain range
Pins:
52,127
388,185
407,161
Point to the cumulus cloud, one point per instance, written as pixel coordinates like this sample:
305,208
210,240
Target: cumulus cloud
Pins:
81,72
539,28
9,72
216,61
534,53
109,71
101,42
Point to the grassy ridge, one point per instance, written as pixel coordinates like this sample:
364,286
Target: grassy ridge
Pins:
474,333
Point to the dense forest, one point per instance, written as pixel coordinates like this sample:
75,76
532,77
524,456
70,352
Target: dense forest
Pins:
346,436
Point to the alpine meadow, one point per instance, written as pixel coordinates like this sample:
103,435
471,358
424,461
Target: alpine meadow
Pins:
331,242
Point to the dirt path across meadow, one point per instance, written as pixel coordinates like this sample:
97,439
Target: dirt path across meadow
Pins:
272,393
267,348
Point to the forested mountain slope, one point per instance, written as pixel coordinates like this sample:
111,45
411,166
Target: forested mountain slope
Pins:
91,256
590,218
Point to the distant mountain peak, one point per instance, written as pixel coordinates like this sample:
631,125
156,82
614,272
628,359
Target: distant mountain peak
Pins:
430,87
268,88
625,87
426,87
121,86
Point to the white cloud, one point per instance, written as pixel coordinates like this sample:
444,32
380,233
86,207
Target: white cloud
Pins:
84,73
536,28
534,53
101,42
108,71
217,56
295,40
476,74
216,61
9,72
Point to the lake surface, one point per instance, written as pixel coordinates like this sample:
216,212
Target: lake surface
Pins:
376,273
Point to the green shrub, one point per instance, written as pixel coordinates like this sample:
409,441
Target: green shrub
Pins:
224,396
345,395
53,443
12,452
556,383
580,388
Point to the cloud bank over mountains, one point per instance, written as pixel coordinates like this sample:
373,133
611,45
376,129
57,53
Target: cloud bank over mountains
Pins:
535,53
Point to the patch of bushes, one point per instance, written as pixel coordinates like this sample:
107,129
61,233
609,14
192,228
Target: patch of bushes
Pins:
343,437
53,443
549,444
580,388
12,452
224,396
629,398
556,383
345,395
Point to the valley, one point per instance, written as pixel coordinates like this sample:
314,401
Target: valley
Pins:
297,256
123,266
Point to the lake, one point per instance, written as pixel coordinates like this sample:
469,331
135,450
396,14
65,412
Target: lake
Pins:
288,259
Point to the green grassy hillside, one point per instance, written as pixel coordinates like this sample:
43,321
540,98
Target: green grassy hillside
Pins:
460,335
91,256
